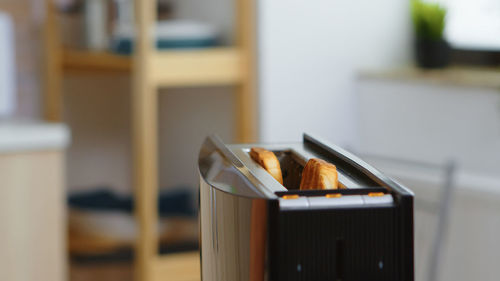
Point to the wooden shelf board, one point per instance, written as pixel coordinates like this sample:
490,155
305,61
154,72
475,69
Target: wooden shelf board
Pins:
196,67
173,68
177,267
84,60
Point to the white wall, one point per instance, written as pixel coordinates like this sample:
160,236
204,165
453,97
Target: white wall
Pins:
431,123
7,67
27,33
309,54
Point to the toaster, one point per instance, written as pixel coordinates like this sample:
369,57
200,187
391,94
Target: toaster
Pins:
254,228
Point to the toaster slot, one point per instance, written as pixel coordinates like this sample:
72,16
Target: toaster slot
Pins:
292,164
291,168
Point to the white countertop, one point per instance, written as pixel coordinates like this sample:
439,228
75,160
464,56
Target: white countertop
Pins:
22,135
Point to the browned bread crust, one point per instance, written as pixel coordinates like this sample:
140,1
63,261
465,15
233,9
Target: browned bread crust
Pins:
268,161
319,174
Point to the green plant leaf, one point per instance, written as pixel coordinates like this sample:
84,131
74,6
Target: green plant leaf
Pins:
428,19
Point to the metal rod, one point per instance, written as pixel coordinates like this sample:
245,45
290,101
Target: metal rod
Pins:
443,220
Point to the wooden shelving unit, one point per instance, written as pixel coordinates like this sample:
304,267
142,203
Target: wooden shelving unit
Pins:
150,70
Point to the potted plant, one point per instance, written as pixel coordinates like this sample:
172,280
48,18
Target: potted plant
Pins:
431,49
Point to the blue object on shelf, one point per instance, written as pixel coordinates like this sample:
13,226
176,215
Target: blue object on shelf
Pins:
175,202
169,34
126,46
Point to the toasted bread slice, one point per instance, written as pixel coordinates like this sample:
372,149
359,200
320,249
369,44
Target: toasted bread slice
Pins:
268,161
319,174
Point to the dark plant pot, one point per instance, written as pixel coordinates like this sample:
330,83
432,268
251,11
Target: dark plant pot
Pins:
432,53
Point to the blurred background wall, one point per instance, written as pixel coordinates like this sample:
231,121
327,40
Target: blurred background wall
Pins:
186,117
303,59
27,18
310,53
102,135
341,68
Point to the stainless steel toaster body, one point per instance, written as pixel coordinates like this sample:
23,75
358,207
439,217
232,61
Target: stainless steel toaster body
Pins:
253,228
